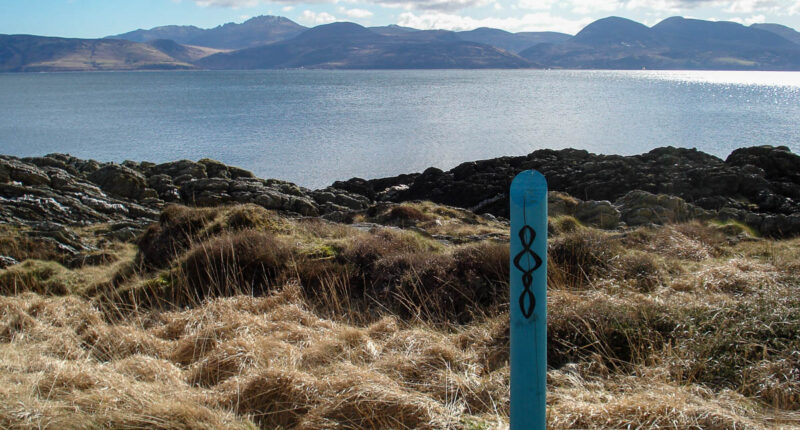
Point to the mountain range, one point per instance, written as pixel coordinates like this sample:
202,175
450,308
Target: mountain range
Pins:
675,43
270,42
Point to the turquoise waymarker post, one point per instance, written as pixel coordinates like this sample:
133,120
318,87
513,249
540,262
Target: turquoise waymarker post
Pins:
528,301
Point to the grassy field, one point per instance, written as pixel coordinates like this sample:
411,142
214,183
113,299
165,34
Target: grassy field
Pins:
237,317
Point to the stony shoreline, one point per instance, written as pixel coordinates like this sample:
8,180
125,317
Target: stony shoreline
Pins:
758,187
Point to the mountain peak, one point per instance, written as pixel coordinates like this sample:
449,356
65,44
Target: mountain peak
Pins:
614,30
336,31
269,19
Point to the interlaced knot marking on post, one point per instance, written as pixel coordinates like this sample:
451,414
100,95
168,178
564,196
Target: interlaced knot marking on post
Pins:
527,300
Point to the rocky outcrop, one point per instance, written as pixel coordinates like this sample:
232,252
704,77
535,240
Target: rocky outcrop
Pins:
643,208
67,191
122,181
26,174
759,186
637,208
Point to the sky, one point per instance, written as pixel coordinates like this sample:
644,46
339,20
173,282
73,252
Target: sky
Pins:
98,18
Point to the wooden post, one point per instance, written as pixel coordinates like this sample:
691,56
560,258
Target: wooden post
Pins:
528,197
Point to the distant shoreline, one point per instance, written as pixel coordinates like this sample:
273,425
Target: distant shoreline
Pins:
265,43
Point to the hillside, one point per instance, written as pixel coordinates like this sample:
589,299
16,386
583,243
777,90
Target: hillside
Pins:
675,43
787,33
351,46
20,53
256,31
194,295
512,42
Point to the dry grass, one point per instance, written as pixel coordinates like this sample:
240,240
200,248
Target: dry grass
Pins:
257,321
453,224
15,243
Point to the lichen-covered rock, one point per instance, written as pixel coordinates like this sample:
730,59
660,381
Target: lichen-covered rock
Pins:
51,161
643,208
120,180
303,206
340,199
601,214
163,185
184,169
215,169
6,261
239,173
27,174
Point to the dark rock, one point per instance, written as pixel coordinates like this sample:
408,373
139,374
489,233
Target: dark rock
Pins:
780,225
124,231
163,185
643,208
65,239
6,261
60,179
27,174
120,180
133,165
340,199
237,173
91,259
601,214
285,187
761,180
215,169
50,161
176,169
303,206
778,163
371,188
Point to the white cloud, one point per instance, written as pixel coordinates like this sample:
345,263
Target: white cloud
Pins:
586,7
434,5
755,19
729,6
536,4
311,17
287,8
235,4
355,13
750,6
438,5
594,8
543,21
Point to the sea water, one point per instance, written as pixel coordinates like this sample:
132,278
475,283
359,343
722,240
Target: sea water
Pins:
313,127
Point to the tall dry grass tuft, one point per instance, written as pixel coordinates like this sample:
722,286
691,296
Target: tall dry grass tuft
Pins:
221,266
579,257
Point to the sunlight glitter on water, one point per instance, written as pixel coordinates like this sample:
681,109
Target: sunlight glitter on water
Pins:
782,79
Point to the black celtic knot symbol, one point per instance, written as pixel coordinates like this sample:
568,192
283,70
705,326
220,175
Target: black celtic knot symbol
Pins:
527,301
